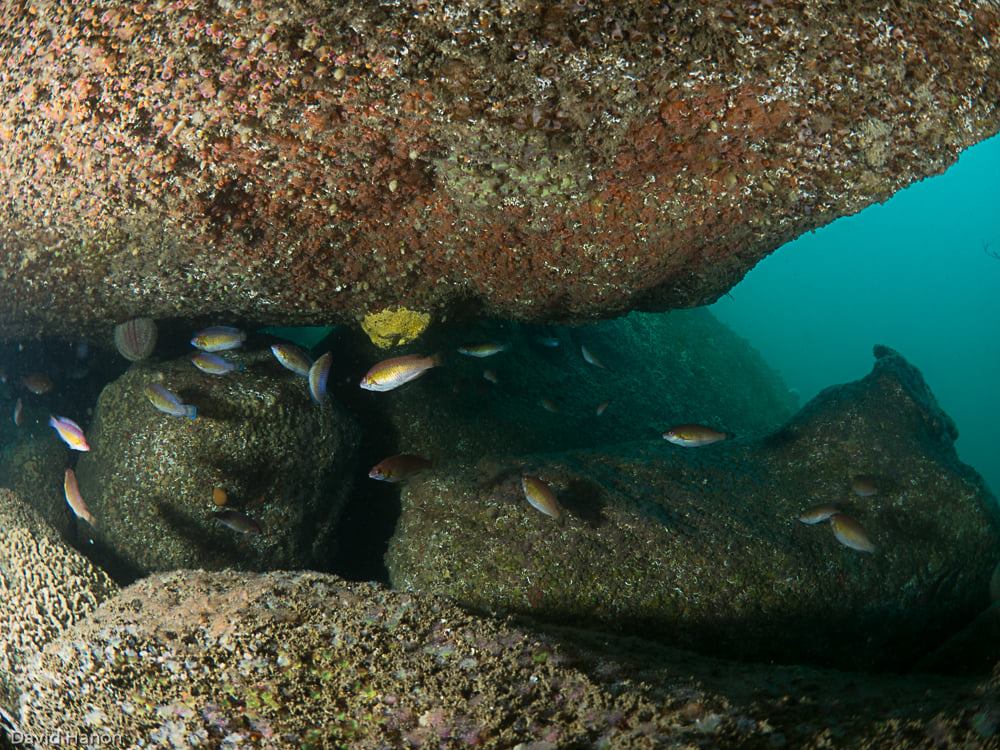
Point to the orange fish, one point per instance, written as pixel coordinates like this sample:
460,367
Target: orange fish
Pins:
399,467
38,383
75,499
693,435
540,496
392,373
850,533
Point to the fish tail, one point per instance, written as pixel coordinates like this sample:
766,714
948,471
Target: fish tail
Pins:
437,360
191,411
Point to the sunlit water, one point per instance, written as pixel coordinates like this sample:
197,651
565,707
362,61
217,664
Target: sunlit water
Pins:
917,273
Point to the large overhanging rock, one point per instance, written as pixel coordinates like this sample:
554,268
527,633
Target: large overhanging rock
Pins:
313,161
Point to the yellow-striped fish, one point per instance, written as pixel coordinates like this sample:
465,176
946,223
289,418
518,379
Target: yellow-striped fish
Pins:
540,496
392,373
487,349
292,357
218,339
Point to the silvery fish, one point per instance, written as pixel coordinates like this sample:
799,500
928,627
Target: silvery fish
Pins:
213,364
70,432
602,406
169,402
293,358
491,375
589,358
548,341
487,349
818,514
392,373
218,339
693,435
399,467
549,405
19,413
237,521
75,499
540,496
864,485
318,374
850,533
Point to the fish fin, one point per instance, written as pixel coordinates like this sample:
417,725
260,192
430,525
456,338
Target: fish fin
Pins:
437,359
191,410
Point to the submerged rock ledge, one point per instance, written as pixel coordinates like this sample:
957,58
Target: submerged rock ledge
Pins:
316,162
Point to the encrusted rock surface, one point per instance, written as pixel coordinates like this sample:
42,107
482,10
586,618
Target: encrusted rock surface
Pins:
281,459
702,547
303,660
45,587
314,161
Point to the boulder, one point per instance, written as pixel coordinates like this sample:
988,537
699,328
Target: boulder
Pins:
45,587
151,478
192,659
315,163
702,547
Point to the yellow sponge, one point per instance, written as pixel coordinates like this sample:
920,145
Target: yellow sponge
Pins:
394,326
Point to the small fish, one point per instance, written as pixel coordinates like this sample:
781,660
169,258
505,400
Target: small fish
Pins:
238,521
602,406
75,499
549,405
399,467
218,339
213,364
550,342
19,413
850,533
38,383
491,375
82,350
540,496
169,402
864,485
487,349
293,358
392,373
693,435
589,358
70,432
818,514
318,374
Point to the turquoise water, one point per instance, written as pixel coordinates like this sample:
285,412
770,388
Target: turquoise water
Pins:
911,273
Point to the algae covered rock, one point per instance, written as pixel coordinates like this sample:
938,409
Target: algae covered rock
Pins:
277,457
32,466
703,547
45,587
191,659
309,162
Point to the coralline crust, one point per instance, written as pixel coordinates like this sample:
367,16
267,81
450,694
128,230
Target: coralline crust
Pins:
301,162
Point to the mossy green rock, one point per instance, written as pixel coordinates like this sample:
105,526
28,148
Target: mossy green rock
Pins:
192,659
280,458
702,547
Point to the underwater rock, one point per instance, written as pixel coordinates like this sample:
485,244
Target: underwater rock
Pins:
306,660
33,466
702,547
569,160
661,368
45,587
283,462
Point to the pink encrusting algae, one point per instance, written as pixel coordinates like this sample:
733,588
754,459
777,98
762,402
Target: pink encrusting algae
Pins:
340,157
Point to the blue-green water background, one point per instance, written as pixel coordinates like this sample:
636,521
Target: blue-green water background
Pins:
910,273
